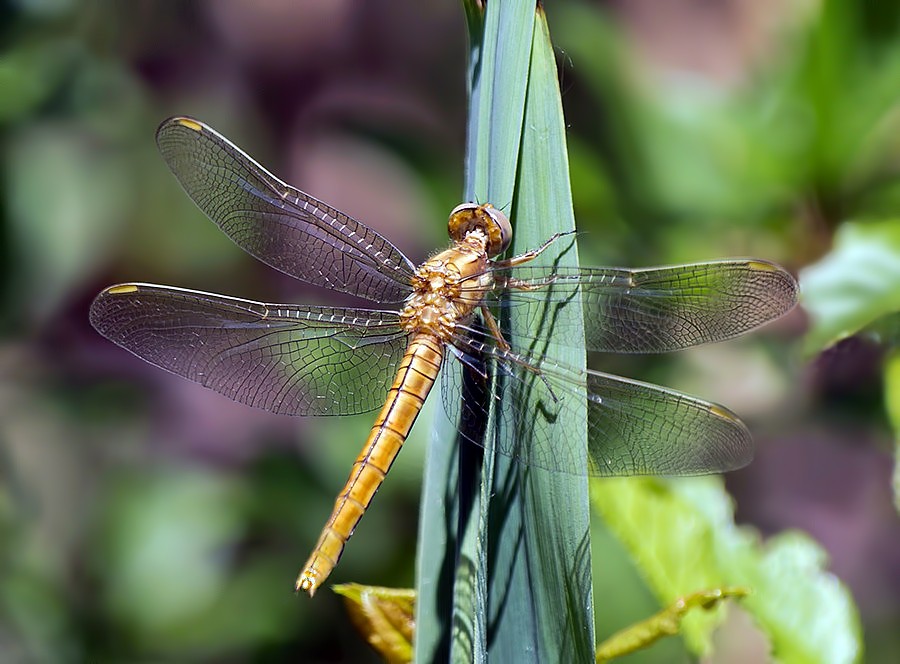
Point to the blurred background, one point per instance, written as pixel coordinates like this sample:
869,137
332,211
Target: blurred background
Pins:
145,518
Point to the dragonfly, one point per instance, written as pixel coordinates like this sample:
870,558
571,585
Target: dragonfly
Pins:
301,359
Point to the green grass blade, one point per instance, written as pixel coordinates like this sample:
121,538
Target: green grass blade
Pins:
553,563
504,571
451,578
498,85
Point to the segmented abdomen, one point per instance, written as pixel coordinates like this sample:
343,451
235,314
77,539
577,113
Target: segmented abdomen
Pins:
415,376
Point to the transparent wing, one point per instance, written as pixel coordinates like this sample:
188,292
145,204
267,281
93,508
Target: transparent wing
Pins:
278,224
652,310
289,359
634,428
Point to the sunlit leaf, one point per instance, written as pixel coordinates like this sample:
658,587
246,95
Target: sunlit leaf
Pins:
855,285
161,532
384,616
681,535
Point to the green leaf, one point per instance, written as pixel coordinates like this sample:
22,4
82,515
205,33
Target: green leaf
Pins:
702,153
175,578
855,285
509,558
384,616
681,535
892,398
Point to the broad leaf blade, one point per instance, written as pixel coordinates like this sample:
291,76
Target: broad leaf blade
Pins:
855,285
681,535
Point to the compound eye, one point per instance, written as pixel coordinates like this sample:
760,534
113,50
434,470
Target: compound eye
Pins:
500,232
491,221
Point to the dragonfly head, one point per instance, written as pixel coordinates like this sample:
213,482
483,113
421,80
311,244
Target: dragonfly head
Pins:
486,218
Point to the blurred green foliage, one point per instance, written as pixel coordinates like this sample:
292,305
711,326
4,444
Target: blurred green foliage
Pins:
143,519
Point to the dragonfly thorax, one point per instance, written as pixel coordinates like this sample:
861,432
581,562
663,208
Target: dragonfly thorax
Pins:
447,287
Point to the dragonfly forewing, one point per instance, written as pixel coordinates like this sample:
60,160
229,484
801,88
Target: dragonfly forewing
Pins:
289,359
652,310
277,223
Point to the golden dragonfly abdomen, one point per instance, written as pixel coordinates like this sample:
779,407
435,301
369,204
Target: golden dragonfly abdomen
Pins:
415,377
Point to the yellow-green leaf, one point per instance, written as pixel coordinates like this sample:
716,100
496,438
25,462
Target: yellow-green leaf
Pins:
855,285
384,616
681,535
892,397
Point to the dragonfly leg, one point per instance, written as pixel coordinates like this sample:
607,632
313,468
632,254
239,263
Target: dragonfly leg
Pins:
532,369
494,329
531,254
504,346
469,361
